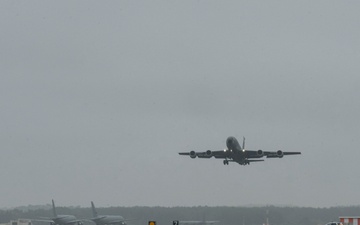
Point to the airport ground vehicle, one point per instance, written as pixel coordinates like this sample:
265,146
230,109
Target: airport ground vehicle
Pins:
334,223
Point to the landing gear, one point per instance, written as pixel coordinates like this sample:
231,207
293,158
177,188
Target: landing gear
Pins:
226,162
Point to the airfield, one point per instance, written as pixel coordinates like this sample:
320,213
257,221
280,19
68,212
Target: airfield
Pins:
250,215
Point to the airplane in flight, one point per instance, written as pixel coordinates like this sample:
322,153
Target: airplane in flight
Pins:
106,219
237,153
61,219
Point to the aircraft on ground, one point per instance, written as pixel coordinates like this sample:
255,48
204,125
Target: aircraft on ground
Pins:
236,153
61,219
106,219
194,222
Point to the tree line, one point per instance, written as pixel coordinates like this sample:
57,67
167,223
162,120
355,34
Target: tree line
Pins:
225,215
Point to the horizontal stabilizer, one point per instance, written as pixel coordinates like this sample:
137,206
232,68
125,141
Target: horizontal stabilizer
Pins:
255,160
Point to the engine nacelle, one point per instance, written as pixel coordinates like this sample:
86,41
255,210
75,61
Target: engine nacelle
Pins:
260,153
279,153
192,154
208,153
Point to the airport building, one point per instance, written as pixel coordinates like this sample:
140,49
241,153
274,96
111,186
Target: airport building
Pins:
350,220
21,222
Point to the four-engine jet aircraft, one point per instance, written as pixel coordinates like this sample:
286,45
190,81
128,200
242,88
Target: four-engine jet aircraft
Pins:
61,219
106,219
236,153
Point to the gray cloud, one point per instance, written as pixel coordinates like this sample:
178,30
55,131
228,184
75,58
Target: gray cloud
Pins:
98,98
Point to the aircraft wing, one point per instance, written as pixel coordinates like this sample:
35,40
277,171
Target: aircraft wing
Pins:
280,154
73,221
43,220
268,154
97,218
292,153
207,154
50,221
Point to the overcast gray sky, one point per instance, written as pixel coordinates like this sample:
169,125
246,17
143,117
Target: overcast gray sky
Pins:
98,97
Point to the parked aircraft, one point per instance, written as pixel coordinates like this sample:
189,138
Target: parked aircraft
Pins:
236,153
194,222
61,219
106,219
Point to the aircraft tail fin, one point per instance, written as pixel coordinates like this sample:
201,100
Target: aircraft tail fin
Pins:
243,143
53,208
95,214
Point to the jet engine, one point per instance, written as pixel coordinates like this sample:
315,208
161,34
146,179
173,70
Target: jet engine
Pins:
279,153
192,154
208,153
260,153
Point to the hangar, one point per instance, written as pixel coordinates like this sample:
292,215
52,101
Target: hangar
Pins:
350,220
18,222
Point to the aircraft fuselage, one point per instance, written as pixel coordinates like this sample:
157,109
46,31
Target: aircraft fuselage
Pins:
233,145
109,219
236,152
65,219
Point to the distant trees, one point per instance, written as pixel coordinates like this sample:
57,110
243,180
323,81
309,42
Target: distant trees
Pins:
226,215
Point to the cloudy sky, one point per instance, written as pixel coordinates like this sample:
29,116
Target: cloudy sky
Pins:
97,98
